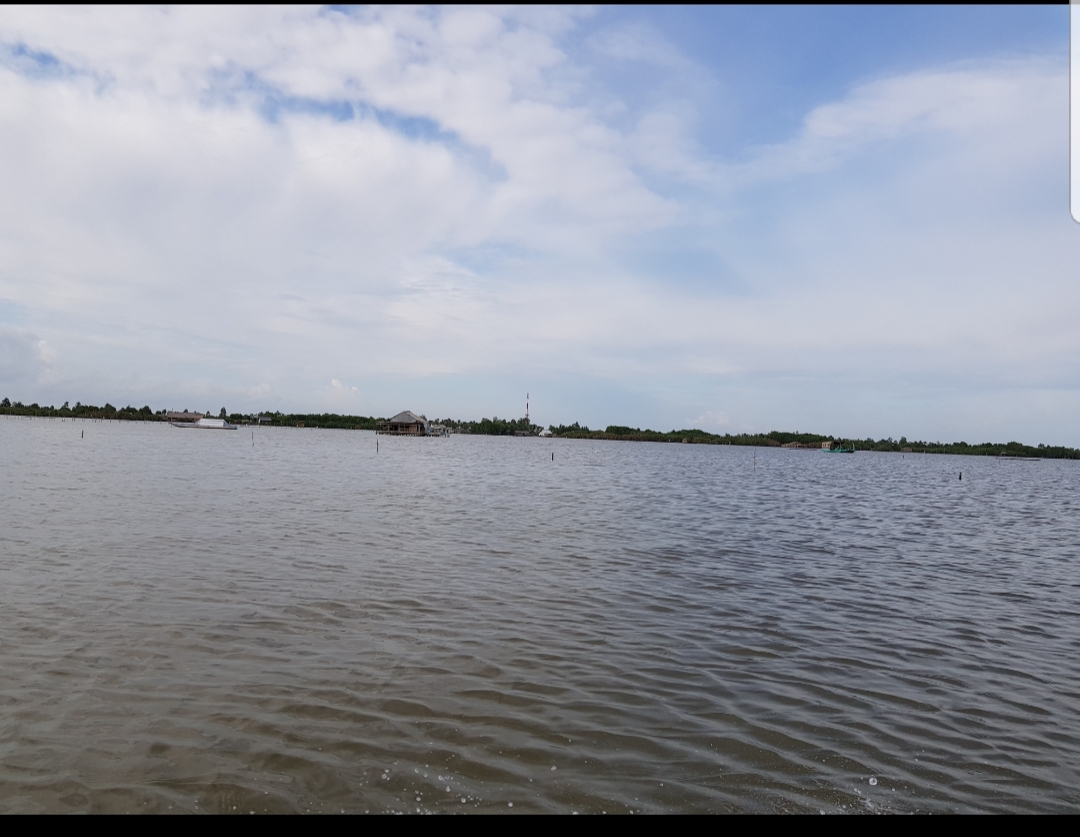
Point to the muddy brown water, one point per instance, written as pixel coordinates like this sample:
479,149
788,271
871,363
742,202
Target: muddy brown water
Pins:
190,622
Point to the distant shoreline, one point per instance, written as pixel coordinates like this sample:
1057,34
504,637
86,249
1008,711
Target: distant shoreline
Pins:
778,439
511,427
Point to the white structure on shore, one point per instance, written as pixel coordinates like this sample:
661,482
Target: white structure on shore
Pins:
205,424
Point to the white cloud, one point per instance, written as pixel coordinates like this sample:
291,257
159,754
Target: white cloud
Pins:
638,42
978,106
253,202
23,357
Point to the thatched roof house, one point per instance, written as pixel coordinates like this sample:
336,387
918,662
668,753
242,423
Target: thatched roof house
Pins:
406,423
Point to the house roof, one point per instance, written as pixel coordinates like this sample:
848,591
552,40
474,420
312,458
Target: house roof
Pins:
407,417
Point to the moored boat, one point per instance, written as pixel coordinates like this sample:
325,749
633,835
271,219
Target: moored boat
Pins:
837,447
205,424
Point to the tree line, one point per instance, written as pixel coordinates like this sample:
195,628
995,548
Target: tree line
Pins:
777,438
494,426
508,427
87,411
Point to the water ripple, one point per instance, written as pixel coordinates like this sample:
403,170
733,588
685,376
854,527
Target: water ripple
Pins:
192,623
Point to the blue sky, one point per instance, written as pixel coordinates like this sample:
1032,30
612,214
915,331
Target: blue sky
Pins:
847,220
769,66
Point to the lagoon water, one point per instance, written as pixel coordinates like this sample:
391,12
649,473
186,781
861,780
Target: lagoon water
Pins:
200,621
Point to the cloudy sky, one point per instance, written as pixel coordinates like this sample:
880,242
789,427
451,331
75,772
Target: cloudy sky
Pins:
848,221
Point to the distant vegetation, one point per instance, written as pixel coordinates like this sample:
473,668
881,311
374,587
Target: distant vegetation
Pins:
491,426
508,427
332,421
777,438
89,411
963,448
695,437
78,411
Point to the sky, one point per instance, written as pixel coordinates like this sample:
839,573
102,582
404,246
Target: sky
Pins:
850,221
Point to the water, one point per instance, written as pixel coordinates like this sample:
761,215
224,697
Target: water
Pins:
192,622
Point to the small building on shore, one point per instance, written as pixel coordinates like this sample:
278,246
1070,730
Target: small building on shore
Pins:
406,423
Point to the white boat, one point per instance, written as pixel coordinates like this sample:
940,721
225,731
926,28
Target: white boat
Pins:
205,424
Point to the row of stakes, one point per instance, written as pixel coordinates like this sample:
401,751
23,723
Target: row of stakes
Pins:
82,434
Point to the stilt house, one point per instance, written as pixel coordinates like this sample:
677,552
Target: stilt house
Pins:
407,423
